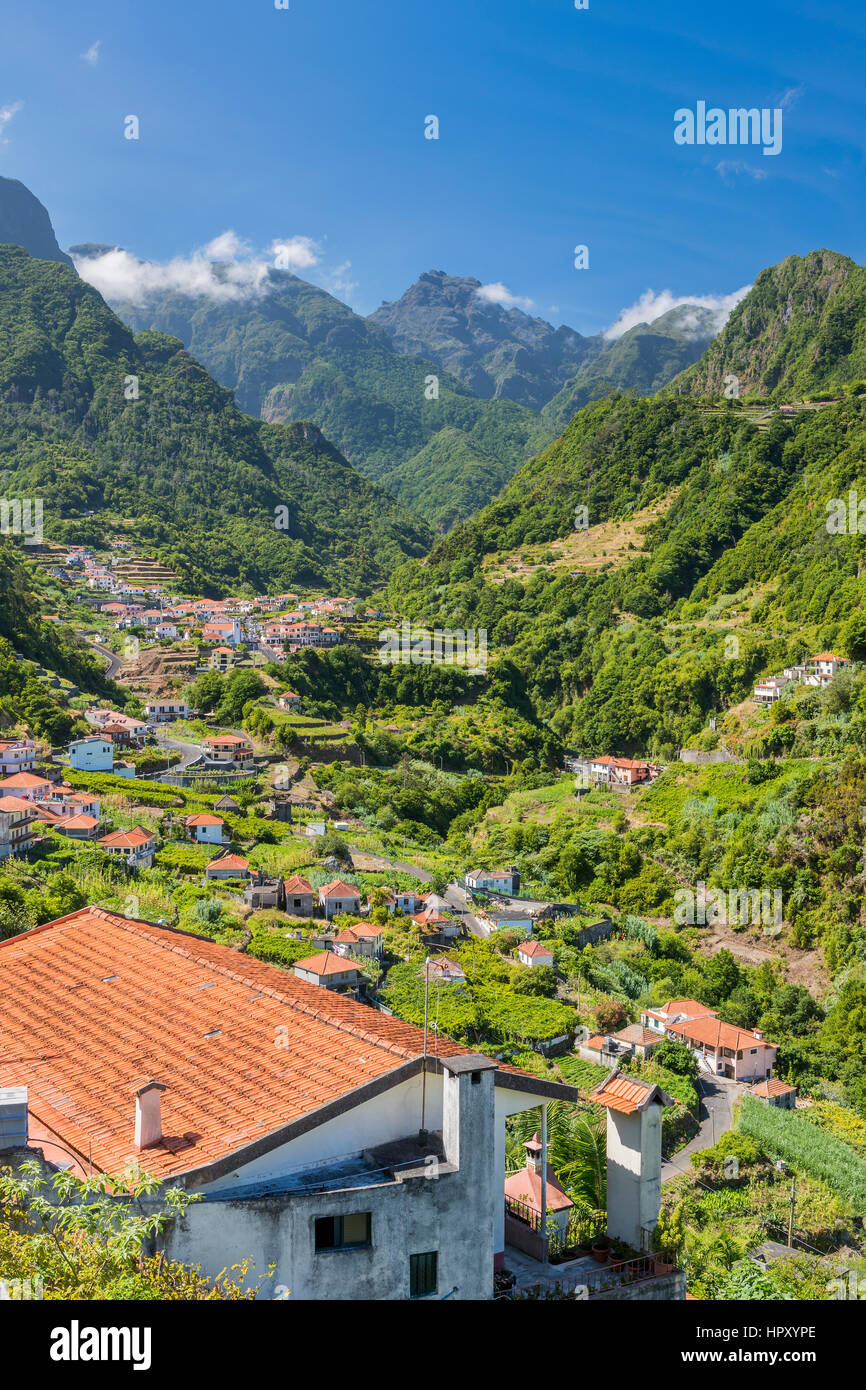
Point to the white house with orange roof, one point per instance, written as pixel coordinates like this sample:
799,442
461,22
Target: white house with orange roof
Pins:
534,953
207,829
136,846
360,939
17,818
26,785
722,1049
352,1155
337,897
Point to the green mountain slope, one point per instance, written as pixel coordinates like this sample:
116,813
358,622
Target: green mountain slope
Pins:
296,352
644,359
180,469
800,331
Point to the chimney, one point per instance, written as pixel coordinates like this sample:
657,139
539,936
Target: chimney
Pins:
533,1153
148,1114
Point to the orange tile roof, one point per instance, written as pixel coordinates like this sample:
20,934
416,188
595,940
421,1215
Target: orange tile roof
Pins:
297,884
339,889
15,803
80,821
771,1087
95,1001
525,1187
714,1033
325,963
23,779
228,861
126,839
202,818
534,948
619,1092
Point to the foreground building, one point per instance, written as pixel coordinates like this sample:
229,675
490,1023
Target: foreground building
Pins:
323,1137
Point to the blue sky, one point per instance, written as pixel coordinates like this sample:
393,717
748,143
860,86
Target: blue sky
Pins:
556,128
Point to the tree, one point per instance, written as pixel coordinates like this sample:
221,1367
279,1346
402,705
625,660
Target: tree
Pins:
675,1056
85,1237
609,1015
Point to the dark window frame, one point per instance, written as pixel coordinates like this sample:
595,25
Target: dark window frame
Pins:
339,1241
424,1277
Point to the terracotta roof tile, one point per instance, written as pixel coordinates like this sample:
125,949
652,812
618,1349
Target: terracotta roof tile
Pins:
95,1001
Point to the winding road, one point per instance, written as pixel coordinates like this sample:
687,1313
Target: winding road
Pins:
717,1115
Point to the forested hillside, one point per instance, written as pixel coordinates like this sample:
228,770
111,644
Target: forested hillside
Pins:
130,435
297,353
800,331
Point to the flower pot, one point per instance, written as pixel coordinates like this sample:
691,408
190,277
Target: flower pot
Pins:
600,1251
662,1266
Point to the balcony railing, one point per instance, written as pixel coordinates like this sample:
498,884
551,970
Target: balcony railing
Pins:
588,1283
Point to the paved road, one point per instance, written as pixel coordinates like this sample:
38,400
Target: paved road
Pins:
114,662
717,1103
189,751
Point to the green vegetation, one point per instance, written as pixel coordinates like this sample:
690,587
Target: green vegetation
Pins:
807,1147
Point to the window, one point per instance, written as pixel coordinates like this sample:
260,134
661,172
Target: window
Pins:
753,1050
476,1078
423,1274
350,1232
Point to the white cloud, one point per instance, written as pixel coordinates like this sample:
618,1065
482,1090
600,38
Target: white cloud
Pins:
226,268
6,114
789,99
498,293
338,281
652,305
296,253
92,54
729,168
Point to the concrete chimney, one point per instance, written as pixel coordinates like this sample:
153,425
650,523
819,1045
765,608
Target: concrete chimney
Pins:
148,1114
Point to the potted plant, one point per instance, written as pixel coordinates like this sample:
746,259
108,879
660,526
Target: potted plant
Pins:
667,1238
600,1248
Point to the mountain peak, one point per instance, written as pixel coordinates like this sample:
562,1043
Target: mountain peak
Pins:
24,221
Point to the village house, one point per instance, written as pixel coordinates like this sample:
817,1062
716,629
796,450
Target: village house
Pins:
505,881
337,897
398,901
435,925
289,700
361,939
492,920
353,1156
92,754
224,633
774,1092
17,755
533,953
722,1049
300,896
227,865
443,969
330,971
205,828
162,711
135,846
222,659
26,785
768,691
262,891
230,750
17,817
613,772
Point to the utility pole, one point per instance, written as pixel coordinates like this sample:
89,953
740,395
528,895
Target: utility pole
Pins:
791,1214
544,1182
422,1136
